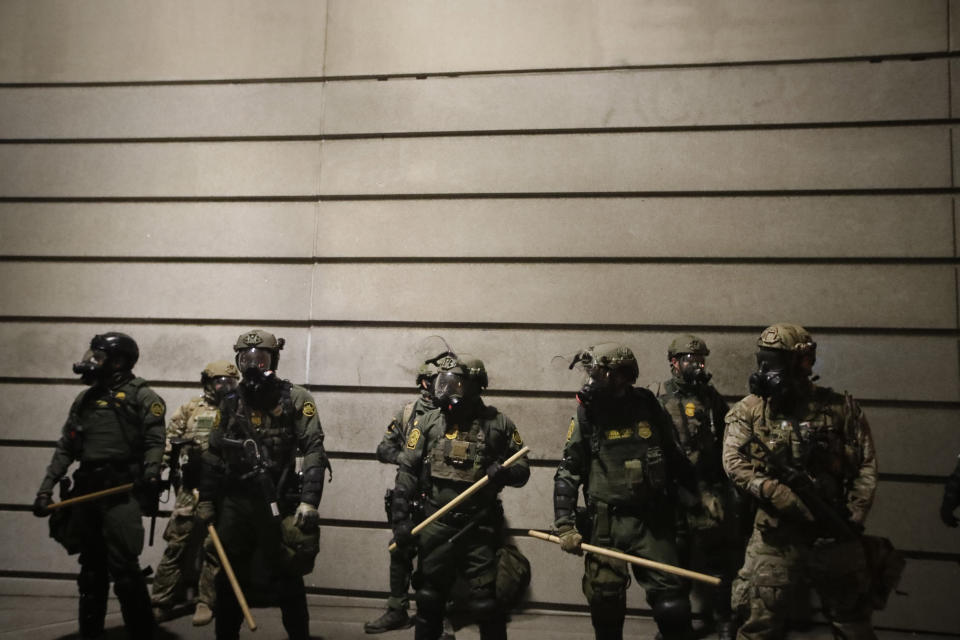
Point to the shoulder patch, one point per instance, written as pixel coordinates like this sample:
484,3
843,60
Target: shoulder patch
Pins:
309,409
413,439
216,419
690,409
120,395
516,438
157,409
643,430
573,424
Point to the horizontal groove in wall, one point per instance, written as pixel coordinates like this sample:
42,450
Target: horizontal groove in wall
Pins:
873,58
319,260
538,463
475,133
489,393
348,197
518,326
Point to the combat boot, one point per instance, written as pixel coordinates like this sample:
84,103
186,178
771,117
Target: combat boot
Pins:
131,590
202,615
94,587
390,620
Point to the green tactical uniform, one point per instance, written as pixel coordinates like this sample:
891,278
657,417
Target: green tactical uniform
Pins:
116,433
625,456
826,435
388,451
447,458
709,525
193,421
256,542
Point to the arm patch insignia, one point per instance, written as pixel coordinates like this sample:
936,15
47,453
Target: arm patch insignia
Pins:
517,439
413,439
570,430
309,409
157,409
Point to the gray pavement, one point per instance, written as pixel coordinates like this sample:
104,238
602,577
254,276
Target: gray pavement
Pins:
53,617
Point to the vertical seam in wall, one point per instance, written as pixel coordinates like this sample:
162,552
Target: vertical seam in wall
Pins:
317,204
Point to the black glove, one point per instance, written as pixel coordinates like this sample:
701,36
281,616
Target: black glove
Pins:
40,504
946,512
403,533
501,476
147,489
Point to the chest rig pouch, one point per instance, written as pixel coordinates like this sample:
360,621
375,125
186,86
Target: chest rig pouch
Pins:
459,456
629,454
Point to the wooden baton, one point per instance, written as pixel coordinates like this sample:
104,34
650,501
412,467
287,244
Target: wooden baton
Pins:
228,569
87,497
626,557
472,489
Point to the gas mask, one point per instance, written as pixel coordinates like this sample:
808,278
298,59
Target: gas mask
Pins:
92,368
451,393
218,387
773,380
599,385
260,384
690,369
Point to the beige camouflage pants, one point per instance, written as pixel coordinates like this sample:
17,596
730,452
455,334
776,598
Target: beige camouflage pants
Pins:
780,562
177,568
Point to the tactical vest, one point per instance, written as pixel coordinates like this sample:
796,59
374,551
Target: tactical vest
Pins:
697,429
627,464
273,431
460,455
823,442
106,425
200,422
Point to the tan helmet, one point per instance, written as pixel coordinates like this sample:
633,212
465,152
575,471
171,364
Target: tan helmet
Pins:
687,343
220,368
785,336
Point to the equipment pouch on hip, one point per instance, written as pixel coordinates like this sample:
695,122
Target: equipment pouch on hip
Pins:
885,564
601,525
388,504
300,548
63,527
513,576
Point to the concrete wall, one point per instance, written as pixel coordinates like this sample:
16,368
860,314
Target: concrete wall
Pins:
523,178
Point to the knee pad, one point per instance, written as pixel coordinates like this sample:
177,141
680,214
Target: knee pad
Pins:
672,614
93,581
483,602
429,600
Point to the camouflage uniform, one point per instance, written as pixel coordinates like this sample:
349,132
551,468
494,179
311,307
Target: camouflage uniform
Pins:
708,525
192,421
115,431
826,434
448,452
623,451
256,500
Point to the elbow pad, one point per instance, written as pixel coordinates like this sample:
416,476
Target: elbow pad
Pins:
564,500
312,485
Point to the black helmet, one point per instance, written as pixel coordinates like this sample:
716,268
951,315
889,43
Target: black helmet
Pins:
121,349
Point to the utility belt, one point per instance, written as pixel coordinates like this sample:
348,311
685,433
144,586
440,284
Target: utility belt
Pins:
97,476
480,514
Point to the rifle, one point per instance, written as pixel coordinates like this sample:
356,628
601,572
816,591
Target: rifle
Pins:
174,478
825,514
